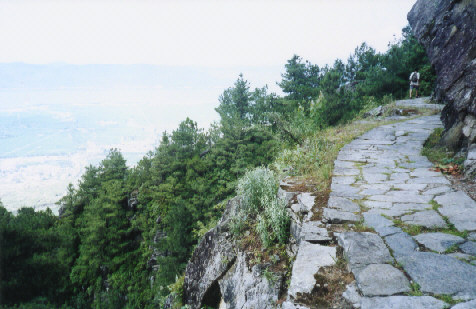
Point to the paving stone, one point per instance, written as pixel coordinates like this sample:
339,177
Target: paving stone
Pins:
367,192
402,177
377,204
401,244
306,200
461,256
427,218
387,230
438,242
438,190
401,197
402,302
346,180
362,249
410,187
440,274
429,180
408,207
424,172
375,220
381,280
388,212
472,236
342,171
330,215
312,233
309,260
345,191
342,204
459,208
469,247
351,294
343,164
466,305
374,178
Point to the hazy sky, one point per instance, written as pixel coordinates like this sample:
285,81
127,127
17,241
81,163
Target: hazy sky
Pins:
203,33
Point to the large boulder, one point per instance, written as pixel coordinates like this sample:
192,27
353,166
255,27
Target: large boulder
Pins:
447,30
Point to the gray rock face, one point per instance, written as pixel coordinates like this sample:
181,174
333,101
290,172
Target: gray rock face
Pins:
402,302
446,30
438,242
440,274
253,290
217,272
309,259
382,280
362,249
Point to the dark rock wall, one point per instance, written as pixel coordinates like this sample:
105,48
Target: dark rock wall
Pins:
447,30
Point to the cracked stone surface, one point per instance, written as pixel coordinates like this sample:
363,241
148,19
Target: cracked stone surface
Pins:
382,280
428,219
438,242
362,249
459,208
381,177
440,274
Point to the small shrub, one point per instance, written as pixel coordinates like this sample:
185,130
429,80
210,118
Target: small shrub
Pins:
254,186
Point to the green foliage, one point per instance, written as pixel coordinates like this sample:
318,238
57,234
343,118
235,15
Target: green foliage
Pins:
258,191
256,188
97,253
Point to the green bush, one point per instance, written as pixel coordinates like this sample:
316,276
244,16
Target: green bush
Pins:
256,186
258,189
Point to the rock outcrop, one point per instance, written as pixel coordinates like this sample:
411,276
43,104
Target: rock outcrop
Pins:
218,274
447,30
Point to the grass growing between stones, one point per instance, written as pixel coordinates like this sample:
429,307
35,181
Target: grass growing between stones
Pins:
415,289
448,299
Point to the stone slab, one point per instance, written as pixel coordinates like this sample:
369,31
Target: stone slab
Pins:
376,221
440,274
402,302
438,242
466,305
330,215
306,200
362,249
310,258
459,208
427,218
469,247
381,280
342,204
312,233
401,244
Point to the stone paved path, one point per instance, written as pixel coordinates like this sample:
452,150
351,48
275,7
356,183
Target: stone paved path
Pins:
381,179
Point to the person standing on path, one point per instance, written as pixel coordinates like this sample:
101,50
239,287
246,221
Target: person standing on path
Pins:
414,82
